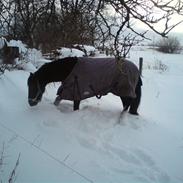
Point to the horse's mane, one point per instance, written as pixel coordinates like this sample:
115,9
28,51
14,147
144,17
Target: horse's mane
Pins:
57,64
56,70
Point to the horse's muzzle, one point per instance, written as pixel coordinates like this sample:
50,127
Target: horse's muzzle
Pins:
32,102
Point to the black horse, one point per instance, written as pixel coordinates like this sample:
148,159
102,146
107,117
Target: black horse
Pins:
61,70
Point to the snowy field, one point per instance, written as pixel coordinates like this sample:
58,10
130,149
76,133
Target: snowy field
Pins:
95,144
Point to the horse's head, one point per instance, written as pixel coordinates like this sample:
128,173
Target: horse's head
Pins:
35,90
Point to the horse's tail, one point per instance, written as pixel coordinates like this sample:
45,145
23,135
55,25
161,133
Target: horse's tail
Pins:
138,90
135,102
140,81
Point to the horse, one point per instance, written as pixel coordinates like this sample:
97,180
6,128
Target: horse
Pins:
84,77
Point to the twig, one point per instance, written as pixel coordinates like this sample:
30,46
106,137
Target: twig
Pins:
46,153
66,157
2,156
13,173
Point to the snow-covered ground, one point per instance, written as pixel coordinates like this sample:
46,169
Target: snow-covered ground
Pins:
96,144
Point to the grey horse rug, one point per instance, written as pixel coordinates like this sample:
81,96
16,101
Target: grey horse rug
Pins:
99,76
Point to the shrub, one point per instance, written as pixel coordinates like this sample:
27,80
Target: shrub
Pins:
169,45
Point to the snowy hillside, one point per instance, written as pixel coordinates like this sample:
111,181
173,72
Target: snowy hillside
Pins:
96,144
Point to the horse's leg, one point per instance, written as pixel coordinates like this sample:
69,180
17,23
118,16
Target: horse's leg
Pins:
136,101
76,105
126,101
57,100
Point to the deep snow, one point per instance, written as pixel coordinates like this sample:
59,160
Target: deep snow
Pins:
96,144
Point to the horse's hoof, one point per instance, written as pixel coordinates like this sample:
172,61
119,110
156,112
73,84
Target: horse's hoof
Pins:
134,113
57,101
125,108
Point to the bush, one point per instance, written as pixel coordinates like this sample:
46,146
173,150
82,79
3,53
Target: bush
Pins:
169,45
157,65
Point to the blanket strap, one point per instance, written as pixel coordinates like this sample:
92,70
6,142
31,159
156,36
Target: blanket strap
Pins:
93,90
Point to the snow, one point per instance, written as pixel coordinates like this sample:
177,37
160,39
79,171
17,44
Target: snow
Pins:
22,47
30,58
89,50
96,144
69,52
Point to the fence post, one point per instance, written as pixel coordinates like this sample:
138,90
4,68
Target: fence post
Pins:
140,64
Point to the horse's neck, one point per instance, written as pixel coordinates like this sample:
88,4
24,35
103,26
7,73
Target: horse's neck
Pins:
55,72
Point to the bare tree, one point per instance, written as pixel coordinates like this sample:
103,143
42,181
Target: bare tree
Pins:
109,23
148,12
78,23
20,18
30,13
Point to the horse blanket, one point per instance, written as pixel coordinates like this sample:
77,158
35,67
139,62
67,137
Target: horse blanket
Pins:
99,76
